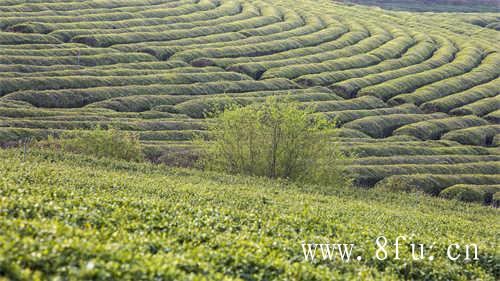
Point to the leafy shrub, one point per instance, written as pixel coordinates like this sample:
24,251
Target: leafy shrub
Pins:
274,139
471,193
100,143
434,183
496,200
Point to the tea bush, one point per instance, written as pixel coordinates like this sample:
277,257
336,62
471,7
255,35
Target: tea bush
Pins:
109,143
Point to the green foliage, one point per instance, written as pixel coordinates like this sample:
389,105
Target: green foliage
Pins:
434,129
73,217
434,184
480,135
109,143
368,175
276,139
471,193
391,81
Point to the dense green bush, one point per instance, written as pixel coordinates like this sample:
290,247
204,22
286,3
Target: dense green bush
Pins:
434,129
471,193
480,135
457,100
467,59
100,143
445,54
383,125
369,175
434,184
487,71
69,98
480,107
496,200
276,139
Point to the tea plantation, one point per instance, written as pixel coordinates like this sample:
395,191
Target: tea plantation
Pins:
73,217
414,94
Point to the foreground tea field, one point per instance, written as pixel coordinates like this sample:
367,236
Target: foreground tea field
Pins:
414,95
148,222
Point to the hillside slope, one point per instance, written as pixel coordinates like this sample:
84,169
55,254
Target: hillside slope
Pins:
78,218
412,93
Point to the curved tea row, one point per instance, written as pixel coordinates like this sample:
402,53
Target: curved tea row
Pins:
412,96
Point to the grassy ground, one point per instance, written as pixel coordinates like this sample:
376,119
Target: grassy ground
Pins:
76,217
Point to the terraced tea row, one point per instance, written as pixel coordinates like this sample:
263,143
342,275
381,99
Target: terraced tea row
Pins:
410,94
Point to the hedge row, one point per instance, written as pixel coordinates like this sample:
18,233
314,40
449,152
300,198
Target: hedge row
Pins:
47,26
425,159
434,129
482,194
89,114
445,53
120,124
198,108
227,12
496,140
138,103
399,140
345,116
18,70
434,184
395,140
9,85
488,70
17,38
91,60
114,72
43,5
481,135
390,50
10,103
418,53
352,104
466,60
388,149
269,46
384,125
496,197
350,57
58,12
114,15
70,98
480,107
192,48
369,175
249,11
350,34
170,135
477,93
493,117
343,133
305,24
106,40
56,51
9,135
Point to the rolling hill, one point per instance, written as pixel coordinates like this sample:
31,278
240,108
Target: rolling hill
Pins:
412,93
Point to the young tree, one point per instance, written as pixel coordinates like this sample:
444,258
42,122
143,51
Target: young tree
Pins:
276,139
